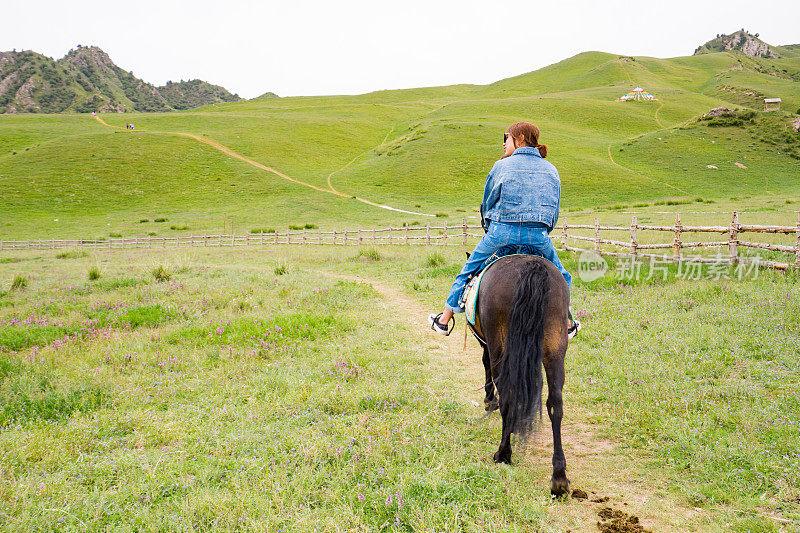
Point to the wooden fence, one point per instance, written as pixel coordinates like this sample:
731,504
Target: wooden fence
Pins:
730,239
464,234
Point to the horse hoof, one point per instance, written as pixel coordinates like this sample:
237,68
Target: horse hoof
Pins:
559,487
500,457
492,405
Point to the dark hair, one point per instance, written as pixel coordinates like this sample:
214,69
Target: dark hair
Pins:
529,134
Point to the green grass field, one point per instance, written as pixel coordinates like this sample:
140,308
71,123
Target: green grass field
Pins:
424,150
260,392
269,389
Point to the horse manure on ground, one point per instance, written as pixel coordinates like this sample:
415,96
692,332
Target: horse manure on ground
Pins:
604,499
615,521
578,494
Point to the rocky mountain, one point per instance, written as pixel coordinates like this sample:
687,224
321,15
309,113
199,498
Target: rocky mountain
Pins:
742,41
194,93
86,80
33,83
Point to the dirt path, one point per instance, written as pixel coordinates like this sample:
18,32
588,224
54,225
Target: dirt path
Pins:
656,116
684,191
596,465
330,185
224,149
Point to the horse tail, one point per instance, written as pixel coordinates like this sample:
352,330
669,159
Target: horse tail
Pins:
520,381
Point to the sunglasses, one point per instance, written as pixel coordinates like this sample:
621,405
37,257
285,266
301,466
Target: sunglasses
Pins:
505,137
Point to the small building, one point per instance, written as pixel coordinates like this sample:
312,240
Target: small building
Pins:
772,104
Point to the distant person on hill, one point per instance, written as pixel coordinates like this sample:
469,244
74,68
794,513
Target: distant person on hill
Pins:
520,207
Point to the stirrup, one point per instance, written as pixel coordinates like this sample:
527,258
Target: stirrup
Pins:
437,326
575,327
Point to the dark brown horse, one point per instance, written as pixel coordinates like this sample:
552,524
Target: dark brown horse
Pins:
523,306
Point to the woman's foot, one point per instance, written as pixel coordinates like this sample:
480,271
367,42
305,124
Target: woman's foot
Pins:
574,326
438,327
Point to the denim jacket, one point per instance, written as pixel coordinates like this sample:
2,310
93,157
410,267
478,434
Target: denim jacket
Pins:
523,187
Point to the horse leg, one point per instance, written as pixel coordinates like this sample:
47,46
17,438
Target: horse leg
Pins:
490,402
554,368
503,454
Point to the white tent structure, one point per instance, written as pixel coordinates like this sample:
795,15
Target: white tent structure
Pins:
636,94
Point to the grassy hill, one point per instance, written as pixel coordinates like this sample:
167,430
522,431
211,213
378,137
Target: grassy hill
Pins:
425,150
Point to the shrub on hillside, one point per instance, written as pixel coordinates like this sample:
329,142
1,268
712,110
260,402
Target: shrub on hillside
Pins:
71,254
19,283
94,273
435,259
161,273
730,119
370,254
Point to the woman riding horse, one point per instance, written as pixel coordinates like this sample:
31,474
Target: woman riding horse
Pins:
520,206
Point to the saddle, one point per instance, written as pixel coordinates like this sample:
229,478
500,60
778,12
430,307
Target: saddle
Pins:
469,297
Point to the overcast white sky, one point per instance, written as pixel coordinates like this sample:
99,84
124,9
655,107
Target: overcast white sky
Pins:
310,47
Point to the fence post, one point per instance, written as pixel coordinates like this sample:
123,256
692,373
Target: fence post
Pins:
373,235
444,241
360,238
428,233
597,235
676,245
797,249
406,233
733,239
464,233
390,233
319,235
564,236
304,235
634,243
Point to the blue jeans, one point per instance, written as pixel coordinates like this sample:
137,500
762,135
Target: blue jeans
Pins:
502,234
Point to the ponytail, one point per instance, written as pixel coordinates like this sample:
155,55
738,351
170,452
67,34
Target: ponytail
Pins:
529,134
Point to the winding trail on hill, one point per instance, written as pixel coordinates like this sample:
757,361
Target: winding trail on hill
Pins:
684,191
330,185
655,116
596,465
224,149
